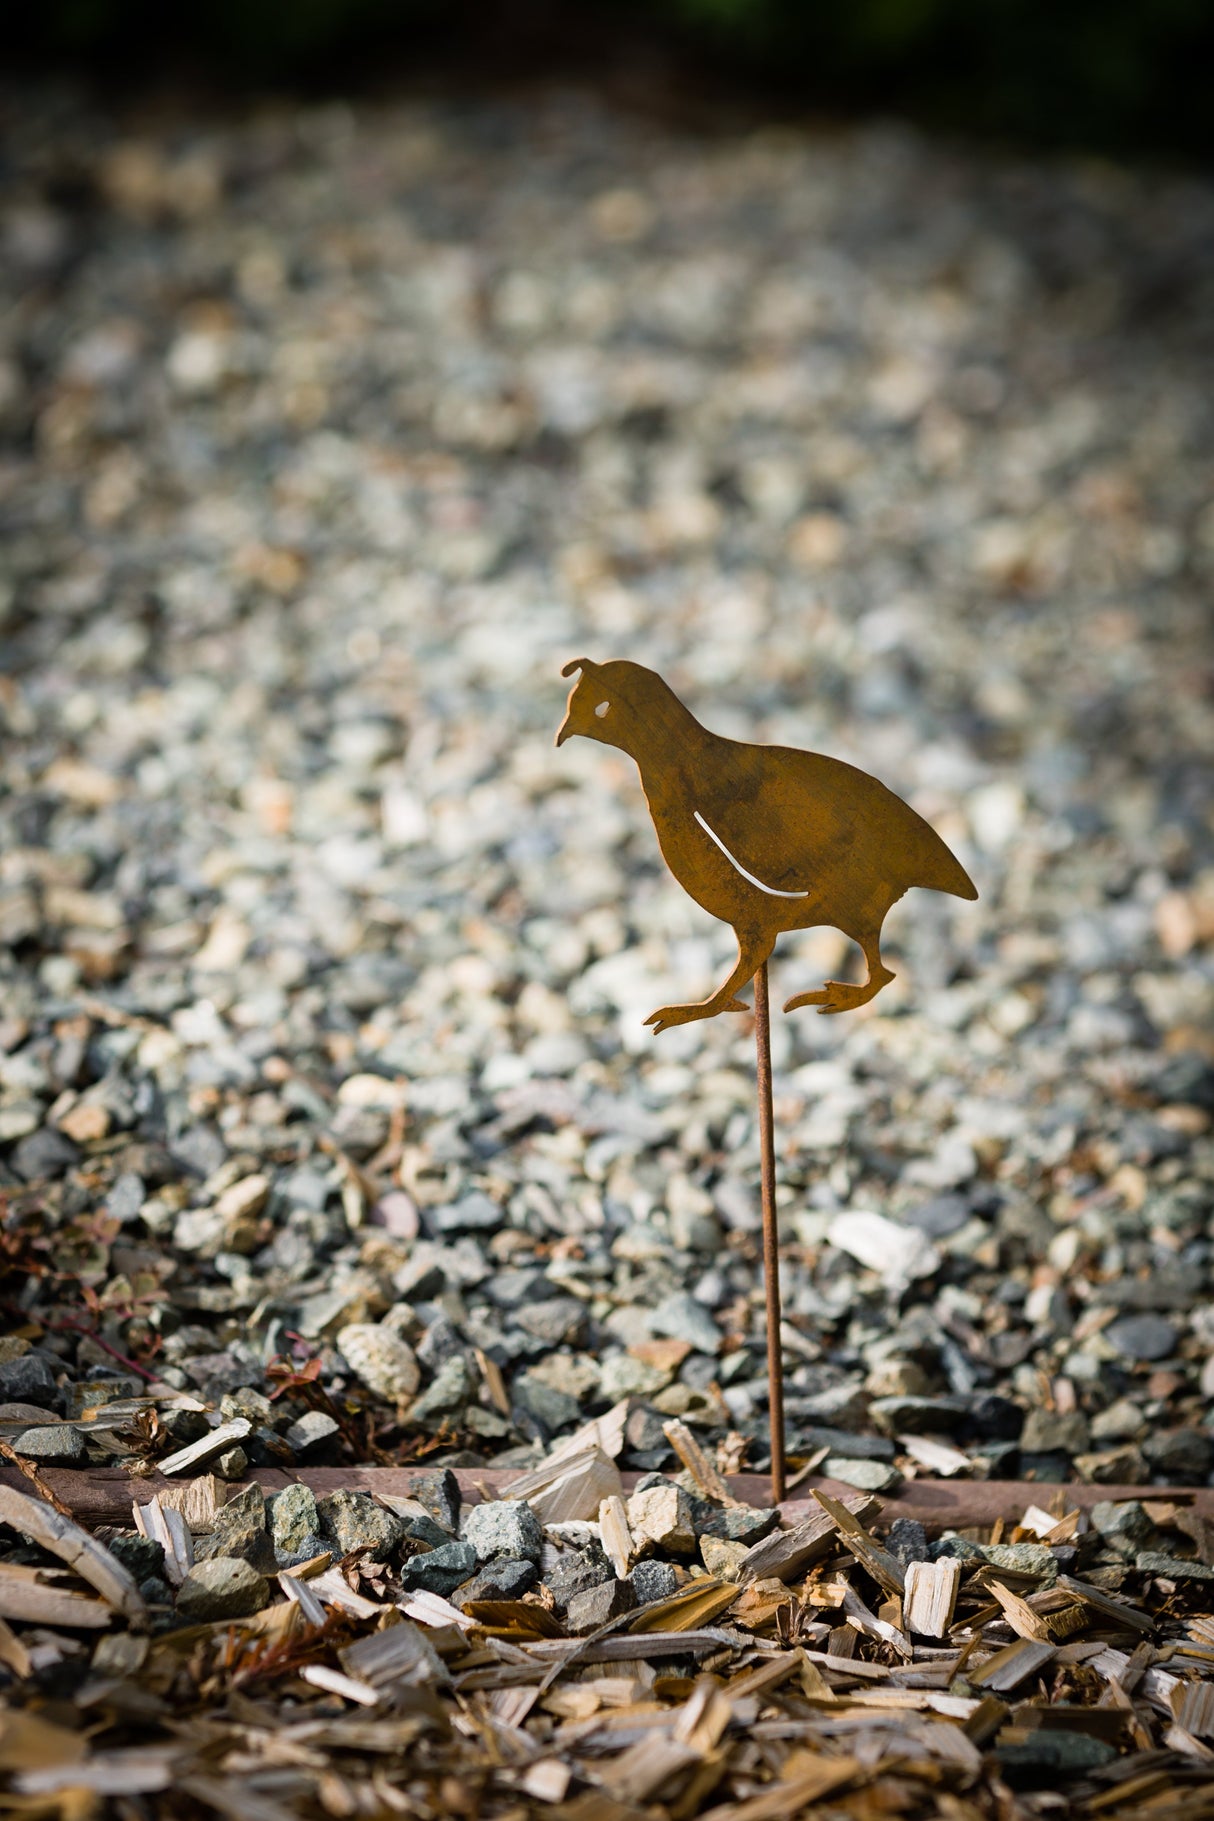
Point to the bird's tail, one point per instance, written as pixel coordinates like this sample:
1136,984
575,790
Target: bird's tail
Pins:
941,871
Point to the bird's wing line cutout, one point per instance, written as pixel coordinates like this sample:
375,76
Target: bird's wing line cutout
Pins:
771,890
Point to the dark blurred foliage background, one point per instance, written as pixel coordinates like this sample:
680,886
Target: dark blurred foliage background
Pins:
1103,75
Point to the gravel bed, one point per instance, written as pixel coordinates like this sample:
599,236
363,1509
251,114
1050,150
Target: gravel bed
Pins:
327,1112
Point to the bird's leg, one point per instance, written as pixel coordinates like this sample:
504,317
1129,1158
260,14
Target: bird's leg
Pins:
840,995
751,956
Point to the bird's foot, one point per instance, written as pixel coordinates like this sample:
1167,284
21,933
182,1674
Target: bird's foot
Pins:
667,1015
838,996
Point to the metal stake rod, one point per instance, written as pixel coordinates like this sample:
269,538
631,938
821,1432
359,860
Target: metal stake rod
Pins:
771,1253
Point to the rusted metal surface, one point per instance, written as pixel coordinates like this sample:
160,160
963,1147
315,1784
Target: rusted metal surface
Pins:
771,1236
767,838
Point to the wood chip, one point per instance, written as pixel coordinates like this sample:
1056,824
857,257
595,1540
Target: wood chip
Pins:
931,1596
616,1535
786,1554
13,1653
637,1775
303,1596
884,1568
197,1499
1126,1615
117,1773
937,1457
630,1647
1012,1665
431,1609
25,1595
806,1778
741,1701
207,1447
516,1617
334,1683
88,1558
570,1487
229,1796
687,1610
335,1590
1019,1614
605,1432
400,1654
697,1463
167,1527
547,1780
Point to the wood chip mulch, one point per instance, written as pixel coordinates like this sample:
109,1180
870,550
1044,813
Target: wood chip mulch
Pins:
830,1677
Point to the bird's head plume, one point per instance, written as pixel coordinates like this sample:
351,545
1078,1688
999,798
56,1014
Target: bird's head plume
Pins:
616,703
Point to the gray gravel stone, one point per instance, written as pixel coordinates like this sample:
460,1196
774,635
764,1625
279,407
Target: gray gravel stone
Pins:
595,1606
453,1384
295,1525
573,1573
866,1476
425,1531
1181,1454
854,1447
1121,1421
240,1531
1047,1431
439,1492
504,1527
940,1217
222,1588
553,1410
142,1556
653,1581
352,1520
89,1393
1047,1755
837,1406
1124,1525
43,1154
1025,1558
1147,1337
439,1570
1122,1466
505,1578
682,1318
313,1434
1171,1567
28,1379
471,1214
907,1539
55,1444
919,1415
558,1320
733,1523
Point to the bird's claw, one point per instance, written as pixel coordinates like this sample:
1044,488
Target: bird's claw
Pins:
835,996
668,1015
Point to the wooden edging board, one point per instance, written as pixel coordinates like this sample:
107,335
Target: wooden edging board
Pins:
105,1495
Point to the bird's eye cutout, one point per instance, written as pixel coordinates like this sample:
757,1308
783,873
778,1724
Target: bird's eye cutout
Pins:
602,708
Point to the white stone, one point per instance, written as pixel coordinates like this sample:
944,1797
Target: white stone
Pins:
899,1253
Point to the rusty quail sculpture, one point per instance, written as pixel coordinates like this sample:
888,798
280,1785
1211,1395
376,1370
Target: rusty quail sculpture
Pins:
767,838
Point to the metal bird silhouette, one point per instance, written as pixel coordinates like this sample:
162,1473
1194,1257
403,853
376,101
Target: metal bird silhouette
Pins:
767,838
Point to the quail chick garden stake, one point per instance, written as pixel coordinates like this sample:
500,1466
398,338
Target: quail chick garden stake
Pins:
767,838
